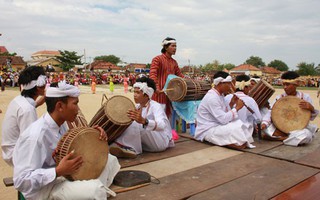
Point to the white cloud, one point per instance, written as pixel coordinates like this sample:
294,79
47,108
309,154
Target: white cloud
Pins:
226,30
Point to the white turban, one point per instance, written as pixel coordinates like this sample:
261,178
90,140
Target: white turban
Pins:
218,80
63,90
165,42
241,84
144,88
41,81
255,79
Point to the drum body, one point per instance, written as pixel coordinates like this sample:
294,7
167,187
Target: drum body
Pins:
84,142
180,89
261,93
112,116
80,121
287,116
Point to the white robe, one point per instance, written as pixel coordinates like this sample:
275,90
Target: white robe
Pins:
296,137
219,124
155,137
34,168
20,114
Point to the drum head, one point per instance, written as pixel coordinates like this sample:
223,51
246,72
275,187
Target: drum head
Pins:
130,178
116,109
94,152
176,89
287,116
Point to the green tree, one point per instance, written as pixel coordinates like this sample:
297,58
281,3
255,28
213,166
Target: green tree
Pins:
305,69
8,54
255,61
68,59
148,66
109,58
228,66
279,65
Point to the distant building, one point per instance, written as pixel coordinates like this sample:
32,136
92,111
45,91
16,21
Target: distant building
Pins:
15,62
137,67
249,70
100,66
3,49
45,59
270,72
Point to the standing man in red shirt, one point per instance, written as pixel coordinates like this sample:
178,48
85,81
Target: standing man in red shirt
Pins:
161,66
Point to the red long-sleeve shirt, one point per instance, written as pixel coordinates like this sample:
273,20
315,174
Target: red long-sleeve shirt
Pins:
161,67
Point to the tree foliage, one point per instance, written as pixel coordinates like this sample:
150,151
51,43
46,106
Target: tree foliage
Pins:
279,65
8,54
109,58
255,61
305,69
228,66
68,59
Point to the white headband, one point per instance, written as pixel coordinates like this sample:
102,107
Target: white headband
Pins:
292,81
242,84
144,88
165,42
41,81
63,90
255,79
218,80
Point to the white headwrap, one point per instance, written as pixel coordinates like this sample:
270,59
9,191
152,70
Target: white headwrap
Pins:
241,84
63,90
144,88
41,81
295,81
165,42
255,79
218,80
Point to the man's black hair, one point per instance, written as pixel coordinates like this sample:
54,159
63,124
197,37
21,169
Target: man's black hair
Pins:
163,50
26,76
150,82
220,74
290,75
52,101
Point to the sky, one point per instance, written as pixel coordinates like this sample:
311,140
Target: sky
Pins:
229,31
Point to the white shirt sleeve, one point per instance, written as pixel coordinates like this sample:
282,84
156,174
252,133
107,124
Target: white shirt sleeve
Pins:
157,118
29,174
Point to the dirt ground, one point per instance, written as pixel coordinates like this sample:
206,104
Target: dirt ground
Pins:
89,104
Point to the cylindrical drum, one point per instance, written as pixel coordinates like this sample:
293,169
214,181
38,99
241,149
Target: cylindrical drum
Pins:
180,89
84,142
112,116
261,92
287,115
80,121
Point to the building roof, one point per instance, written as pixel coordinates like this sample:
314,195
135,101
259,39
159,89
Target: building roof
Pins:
99,64
270,70
245,67
136,65
3,49
46,52
15,60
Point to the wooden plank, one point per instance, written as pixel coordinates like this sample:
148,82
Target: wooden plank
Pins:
311,159
291,153
179,149
8,181
264,183
263,145
307,190
191,182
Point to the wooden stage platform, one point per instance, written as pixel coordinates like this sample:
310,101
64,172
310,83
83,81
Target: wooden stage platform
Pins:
195,170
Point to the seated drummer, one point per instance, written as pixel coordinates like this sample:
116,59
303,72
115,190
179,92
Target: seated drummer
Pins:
150,131
243,86
216,122
290,83
36,174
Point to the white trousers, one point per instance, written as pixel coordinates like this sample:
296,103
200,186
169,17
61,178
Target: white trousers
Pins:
62,189
235,132
140,139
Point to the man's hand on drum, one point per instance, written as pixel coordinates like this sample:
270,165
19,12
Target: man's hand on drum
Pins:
69,165
103,135
136,116
306,105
